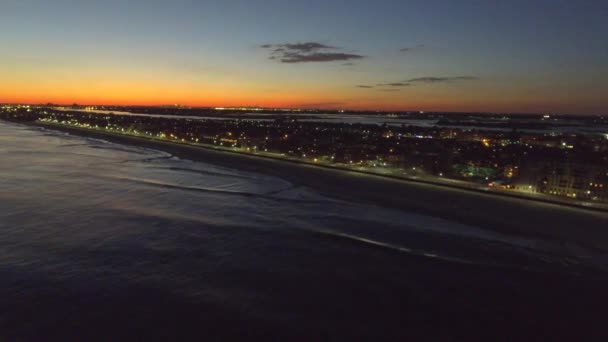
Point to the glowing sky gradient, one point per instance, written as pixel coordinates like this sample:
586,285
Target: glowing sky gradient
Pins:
503,56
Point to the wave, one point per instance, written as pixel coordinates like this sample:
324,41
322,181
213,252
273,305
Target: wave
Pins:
103,144
118,148
562,263
72,145
206,173
146,160
168,185
55,152
548,251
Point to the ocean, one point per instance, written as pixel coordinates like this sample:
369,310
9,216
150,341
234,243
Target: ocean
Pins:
106,241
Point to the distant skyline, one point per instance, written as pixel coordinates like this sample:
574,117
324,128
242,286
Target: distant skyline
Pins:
482,56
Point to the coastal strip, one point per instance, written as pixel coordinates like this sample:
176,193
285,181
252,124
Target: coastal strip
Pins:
512,214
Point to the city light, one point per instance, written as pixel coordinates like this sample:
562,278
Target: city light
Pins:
495,163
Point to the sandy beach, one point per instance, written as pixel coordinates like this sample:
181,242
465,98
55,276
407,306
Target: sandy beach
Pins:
489,211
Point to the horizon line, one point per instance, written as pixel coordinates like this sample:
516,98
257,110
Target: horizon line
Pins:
289,108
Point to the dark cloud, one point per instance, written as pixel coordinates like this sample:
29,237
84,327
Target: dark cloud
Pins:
307,52
396,84
441,79
307,47
319,57
407,49
297,47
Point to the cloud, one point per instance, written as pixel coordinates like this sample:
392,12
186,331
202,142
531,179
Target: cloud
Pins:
442,79
407,49
307,47
395,84
307,52
396,87
297,47
319,57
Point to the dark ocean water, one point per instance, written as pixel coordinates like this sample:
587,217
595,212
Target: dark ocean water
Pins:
100,241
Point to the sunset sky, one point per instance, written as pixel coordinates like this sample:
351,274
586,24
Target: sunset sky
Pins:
500,56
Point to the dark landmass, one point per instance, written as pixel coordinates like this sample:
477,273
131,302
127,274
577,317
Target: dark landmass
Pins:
507,124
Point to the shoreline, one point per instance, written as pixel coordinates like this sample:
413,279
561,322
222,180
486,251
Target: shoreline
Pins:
441,182
507,213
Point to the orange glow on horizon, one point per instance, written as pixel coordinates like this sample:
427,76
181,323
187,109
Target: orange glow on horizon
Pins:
156,93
